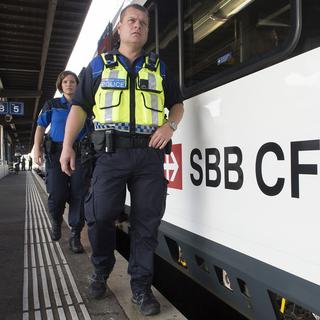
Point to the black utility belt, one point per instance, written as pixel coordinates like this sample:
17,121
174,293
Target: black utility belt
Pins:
110,141
53,147
59,145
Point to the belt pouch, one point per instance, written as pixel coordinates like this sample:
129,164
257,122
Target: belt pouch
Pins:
47,145
109,147
98,140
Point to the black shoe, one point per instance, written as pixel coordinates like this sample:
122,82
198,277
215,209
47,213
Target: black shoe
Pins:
75,243
97,286
55,231
147,302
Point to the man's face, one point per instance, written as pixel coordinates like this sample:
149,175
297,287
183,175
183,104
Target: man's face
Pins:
133,29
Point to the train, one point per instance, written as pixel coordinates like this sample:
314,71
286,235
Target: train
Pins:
241,213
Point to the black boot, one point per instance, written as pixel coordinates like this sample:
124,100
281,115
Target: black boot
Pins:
98,286
74,241
55,231
148,304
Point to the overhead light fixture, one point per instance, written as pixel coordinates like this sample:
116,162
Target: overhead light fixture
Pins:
216,17
274,19
231,7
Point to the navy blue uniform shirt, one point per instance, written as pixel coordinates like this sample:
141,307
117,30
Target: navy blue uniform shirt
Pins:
55,112
91,78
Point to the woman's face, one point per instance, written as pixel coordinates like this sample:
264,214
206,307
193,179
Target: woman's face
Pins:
69,85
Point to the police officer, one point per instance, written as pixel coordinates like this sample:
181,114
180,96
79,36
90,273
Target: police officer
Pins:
60,187
127,90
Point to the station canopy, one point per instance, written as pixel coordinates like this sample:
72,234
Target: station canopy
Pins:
36,40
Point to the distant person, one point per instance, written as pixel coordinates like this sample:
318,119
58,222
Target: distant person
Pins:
23,164
30,163
61,187
17,166
127,90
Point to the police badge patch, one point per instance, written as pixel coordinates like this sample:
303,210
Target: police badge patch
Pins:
113,83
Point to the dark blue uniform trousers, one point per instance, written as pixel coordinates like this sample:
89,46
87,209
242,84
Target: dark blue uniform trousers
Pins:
141,171
63,189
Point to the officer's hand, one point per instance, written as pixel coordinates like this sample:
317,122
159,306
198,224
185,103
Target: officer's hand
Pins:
67,160
161,137
37,154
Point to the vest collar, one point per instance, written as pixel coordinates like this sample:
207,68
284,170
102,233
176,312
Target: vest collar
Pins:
138,63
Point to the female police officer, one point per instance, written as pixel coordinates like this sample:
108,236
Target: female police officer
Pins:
127,91
60,187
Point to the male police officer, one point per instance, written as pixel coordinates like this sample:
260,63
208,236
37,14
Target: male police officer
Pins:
127,91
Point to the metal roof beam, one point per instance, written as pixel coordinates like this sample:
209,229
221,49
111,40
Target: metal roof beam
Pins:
21,121
7,93
52,6
19,70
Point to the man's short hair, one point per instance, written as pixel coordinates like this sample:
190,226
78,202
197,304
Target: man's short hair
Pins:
135,6
62,75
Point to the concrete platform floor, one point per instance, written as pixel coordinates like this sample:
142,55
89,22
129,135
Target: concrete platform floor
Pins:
44,279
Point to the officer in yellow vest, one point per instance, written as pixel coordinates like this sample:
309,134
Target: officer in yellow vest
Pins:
127,90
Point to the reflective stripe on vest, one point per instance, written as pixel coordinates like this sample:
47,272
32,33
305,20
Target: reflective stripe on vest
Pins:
113,97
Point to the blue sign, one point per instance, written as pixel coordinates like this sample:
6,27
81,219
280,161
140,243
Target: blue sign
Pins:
4,108
16,108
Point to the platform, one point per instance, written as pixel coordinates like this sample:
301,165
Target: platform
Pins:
43,279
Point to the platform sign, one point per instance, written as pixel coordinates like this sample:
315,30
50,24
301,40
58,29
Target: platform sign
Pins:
16,108
13,108
4,107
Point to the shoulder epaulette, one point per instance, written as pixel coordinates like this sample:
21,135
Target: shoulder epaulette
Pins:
96,65
55,103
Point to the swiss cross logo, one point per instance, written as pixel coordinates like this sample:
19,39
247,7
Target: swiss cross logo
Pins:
173,167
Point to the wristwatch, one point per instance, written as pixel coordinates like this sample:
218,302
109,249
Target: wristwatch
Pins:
173,125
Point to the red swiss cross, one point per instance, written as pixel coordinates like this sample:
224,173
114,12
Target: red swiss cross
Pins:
173,167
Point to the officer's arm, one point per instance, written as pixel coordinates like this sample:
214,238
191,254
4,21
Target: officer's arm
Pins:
75,122
38,138
176,113
163,134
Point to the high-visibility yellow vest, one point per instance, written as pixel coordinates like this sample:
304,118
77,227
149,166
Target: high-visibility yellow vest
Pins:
113,97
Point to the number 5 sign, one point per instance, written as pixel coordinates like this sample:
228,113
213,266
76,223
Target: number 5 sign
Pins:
13,108
16,108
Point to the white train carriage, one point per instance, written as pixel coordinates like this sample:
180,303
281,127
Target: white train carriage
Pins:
242,216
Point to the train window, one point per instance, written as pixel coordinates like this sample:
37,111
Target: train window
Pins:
163,34
222,36
152,44
310,35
